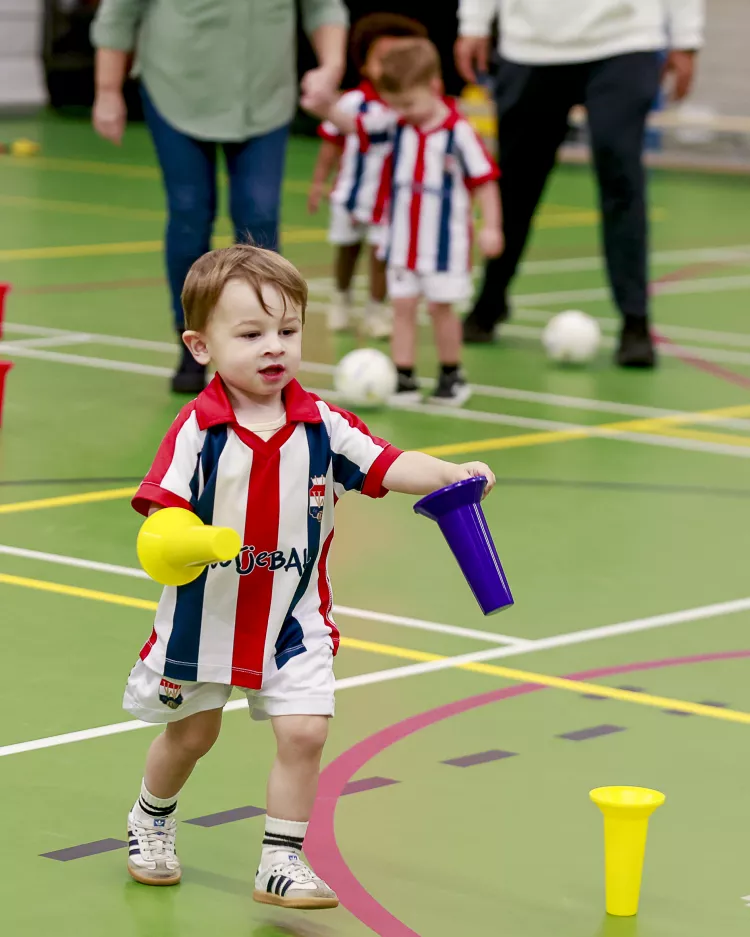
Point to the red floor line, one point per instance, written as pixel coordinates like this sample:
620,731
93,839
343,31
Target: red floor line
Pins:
684,354
321,846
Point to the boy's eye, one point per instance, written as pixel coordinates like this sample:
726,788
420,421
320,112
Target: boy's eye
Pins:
250,334
287,332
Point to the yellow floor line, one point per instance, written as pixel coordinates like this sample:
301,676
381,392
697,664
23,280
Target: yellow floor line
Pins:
405,653
86,497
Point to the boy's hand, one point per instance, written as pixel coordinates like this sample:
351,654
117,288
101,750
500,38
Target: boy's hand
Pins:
319,89
491,242
472,469
315,194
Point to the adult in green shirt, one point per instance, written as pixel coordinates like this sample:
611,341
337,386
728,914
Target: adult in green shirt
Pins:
213,73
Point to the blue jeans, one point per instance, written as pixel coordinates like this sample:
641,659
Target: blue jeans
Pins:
255,168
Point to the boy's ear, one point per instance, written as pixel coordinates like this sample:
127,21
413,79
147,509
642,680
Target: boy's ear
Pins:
438,87
196,345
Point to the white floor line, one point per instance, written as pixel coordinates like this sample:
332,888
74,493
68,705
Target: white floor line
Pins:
413,670
475,416
719,284
737,254
52,341
363,614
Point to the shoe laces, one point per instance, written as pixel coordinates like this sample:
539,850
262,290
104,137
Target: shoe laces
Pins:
297,871
154,843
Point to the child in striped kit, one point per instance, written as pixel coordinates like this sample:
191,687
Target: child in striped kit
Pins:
257,453
357,200
436,166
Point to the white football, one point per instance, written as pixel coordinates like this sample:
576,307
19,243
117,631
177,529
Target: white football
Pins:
572,337
365,377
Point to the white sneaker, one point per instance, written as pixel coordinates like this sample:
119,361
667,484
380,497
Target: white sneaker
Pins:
291,884
151,850
339,312
378,321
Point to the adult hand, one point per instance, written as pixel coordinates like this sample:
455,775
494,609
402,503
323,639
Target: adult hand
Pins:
110,115
319,87
680,68
472,55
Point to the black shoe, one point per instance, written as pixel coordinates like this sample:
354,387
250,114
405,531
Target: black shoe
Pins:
407,391
475,328
451,391
636,348
190,377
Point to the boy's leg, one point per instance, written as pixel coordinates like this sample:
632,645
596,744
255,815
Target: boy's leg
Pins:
347,241
443,290
152,859
283,878
378,316
404,290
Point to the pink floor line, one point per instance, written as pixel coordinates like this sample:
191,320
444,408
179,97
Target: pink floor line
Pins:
321,846
695,361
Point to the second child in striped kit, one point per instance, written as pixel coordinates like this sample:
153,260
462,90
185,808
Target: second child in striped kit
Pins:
436,167
357,200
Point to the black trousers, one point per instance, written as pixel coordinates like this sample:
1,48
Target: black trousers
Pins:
533,104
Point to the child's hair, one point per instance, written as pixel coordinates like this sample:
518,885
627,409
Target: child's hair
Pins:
257,267
411,65
369,29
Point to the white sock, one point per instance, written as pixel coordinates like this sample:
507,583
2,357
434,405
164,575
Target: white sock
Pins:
375,307
149,808
282,841
342,298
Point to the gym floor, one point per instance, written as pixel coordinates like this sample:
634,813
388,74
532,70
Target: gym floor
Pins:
455,794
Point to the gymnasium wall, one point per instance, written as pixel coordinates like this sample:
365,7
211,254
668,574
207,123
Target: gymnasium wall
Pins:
22,83
724,68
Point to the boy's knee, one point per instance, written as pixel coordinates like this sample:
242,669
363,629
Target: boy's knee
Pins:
194,737
302,736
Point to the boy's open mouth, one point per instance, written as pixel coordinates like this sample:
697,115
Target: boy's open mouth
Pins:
272,372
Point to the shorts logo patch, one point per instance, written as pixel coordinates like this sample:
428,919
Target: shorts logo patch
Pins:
170,694
317,496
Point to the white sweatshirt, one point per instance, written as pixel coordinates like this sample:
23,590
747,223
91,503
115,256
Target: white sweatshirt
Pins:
549,32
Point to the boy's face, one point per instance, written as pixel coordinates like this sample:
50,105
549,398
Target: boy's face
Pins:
378,50
417,105
256,353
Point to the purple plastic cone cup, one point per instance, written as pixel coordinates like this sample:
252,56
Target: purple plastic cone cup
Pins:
458,512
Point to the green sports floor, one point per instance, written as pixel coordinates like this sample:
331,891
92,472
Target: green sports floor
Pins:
455,795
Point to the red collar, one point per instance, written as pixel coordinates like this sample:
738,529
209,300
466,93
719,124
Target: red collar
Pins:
368,90
450,121
213,407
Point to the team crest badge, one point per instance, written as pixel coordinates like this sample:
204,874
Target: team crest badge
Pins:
170,694
317,496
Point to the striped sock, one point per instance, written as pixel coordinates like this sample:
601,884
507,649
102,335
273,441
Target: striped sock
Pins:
282,839
153,808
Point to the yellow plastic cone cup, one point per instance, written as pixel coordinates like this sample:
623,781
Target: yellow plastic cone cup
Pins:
174,546
626,813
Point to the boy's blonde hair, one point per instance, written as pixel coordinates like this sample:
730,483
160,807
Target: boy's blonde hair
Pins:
257,267
412,64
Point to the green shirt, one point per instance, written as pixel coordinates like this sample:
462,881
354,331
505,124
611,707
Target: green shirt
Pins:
215,69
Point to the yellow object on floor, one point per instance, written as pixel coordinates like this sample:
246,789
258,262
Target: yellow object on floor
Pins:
24,147
626,813
174,546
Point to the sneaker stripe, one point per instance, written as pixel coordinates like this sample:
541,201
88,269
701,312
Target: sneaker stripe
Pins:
283,880
286,887
269,886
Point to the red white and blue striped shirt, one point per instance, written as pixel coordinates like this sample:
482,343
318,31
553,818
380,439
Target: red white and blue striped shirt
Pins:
361,185
432,175
274,600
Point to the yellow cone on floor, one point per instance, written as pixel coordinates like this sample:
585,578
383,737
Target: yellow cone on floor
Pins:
174,546
626,813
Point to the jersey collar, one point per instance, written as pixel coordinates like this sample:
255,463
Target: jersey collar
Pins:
213,407
449,122
368,90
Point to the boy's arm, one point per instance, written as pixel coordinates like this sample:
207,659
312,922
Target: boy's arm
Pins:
490,238
416,473
328,160
171,481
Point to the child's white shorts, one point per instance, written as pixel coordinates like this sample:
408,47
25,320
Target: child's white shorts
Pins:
344,229
303,687
435,287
